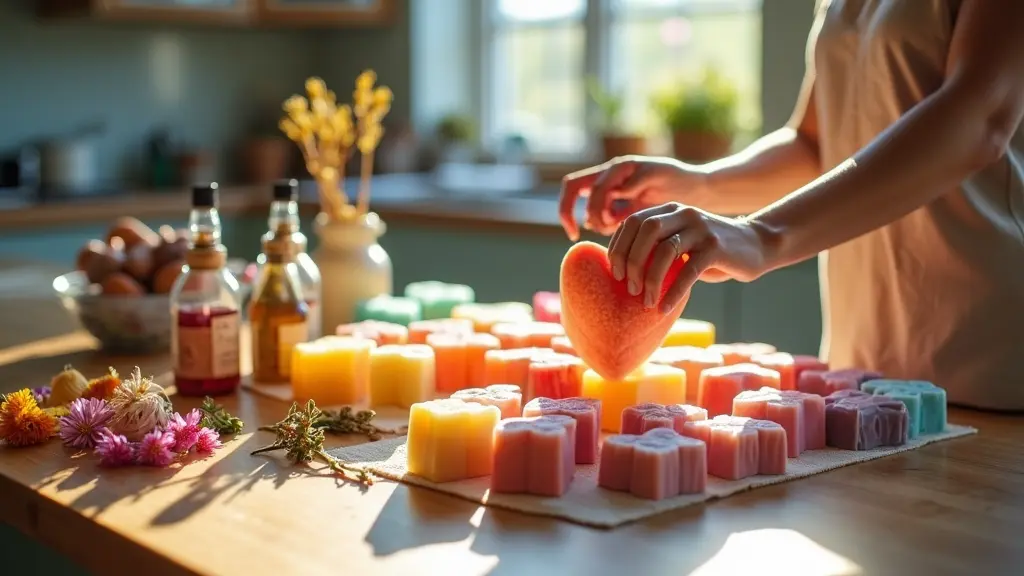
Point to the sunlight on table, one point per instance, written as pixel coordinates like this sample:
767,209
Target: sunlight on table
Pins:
773,551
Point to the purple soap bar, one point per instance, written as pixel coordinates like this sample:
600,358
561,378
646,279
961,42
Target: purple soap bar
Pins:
844,394
862,423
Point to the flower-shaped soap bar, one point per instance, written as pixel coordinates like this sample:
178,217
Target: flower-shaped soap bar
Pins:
825,382
643,417
864,422
586,412
534,455
741,447
801,414
659,464
506,397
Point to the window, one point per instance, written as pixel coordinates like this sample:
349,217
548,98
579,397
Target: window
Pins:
538,55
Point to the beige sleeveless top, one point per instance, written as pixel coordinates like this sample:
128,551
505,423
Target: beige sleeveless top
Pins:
939,294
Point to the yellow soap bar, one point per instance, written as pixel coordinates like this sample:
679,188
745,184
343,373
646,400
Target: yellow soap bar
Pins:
451,440
690,333
401,375
485,316
332,370
653,383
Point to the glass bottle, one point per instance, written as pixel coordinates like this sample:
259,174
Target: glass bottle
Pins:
205,315
277,312
284,218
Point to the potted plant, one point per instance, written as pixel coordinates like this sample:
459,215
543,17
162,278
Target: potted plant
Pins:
701,116
615,141
455,135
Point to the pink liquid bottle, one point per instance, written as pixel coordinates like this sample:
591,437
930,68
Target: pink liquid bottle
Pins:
205,308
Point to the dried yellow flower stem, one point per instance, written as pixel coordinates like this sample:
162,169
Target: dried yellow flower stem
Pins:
366,169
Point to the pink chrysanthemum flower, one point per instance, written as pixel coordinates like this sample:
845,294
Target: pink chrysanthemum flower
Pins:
115,449
85,423
208,440
185,430
155,449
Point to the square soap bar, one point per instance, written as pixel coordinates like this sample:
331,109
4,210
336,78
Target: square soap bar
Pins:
651,383
527,334
332,370
719,386
742,352
534,455
547,307
418,331
459,360
691,360
586,412
555,376
485,316
401,375
383,333
865,422
438,298
645,417
562,345
451,440
741,447
825,382
659,464
685,332
788,366
386,308
506,397
511,366
933,400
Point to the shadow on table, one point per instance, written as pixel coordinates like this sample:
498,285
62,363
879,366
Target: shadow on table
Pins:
415,517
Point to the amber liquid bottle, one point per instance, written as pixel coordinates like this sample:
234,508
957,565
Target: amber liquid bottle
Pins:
278,313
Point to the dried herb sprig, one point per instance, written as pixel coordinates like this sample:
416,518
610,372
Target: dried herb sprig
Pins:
349,421
303,441
219,419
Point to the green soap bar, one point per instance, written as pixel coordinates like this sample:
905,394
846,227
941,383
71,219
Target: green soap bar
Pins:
438,298
912,400
394,309
933,400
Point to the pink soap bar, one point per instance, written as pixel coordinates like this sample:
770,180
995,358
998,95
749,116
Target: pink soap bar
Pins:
769,404
382,333
825,382
554,376
863,423
814,418
562,345
510,366
586,412
772,445
644,417
718,386
526,334
659,464
732,449
741,352
547,307
506,397
534,455
788,366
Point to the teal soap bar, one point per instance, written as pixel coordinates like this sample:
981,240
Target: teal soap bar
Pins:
912,400
385,308
438,298
933,400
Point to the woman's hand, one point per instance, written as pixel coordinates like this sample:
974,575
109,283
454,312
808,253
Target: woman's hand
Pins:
717,248
636,182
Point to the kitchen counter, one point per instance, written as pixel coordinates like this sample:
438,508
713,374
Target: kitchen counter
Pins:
955,507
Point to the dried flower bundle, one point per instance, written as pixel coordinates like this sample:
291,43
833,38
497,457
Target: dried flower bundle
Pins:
348,421
140,406
326,133
23,422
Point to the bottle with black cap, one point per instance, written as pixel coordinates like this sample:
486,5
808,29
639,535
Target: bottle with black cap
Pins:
284,222
205,307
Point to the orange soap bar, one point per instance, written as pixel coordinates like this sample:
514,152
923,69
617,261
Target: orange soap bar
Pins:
610,329
485,316
383,333
788,366
719,386
510,366
562,345
691,360
459,359
526,334
451,440
651,383
420,329
686,332
742,352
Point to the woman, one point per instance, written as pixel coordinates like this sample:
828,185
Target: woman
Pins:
907,159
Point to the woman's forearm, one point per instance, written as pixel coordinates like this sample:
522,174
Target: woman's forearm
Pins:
768,169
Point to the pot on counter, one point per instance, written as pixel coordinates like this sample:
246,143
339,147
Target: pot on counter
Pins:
70,163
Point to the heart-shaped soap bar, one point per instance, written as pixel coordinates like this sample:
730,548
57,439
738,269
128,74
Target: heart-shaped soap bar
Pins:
610,329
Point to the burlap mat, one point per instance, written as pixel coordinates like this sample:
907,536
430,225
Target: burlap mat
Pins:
587,504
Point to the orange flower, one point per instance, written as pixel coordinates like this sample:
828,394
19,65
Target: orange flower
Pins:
102,388
22,422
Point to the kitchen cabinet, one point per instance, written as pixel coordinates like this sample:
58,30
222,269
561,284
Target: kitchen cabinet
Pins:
272,13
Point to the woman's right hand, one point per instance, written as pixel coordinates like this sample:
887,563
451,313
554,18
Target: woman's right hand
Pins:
635,182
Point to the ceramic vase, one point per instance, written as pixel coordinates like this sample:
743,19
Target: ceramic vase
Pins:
353,266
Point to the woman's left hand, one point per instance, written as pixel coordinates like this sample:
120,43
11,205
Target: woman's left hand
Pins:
717,248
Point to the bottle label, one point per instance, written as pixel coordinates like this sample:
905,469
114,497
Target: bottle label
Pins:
209,351
288,335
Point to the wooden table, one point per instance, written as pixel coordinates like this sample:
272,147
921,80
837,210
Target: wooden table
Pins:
951,508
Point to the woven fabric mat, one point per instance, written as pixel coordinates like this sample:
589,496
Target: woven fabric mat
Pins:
587,504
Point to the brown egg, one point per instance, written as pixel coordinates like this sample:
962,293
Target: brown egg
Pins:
110,261
165,276
92,249
133,232
172,247
138,262
121,284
